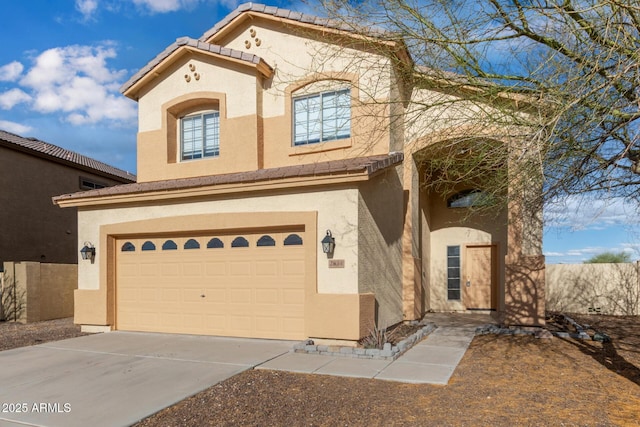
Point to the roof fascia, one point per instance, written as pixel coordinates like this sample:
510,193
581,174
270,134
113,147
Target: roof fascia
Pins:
213,190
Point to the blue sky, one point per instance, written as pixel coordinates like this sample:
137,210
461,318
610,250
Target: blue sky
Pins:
62,63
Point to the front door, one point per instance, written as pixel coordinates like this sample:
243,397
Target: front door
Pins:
480,277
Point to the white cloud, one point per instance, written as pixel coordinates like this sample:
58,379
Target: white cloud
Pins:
76,80
11,71
12,97
87,8
554,254
164,6
582,213
13,127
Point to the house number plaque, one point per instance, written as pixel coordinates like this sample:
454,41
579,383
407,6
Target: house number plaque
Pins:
336,263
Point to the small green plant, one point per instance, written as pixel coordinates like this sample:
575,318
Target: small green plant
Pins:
377,338
610,257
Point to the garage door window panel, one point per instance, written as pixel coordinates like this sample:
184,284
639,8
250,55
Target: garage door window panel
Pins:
215,243
266,241
128,247
148,246
169,245
293,240
192,244
240,242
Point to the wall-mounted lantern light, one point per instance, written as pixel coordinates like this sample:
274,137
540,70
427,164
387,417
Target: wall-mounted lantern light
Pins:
328,243
88,251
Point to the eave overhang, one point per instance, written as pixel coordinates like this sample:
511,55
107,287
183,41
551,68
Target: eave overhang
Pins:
290,177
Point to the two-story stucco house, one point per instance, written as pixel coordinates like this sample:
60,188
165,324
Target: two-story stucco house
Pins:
258,140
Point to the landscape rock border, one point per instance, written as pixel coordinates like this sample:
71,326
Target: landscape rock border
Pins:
388,352
579,333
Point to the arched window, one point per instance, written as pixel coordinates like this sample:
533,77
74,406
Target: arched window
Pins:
192,244
169,245
292,240
148,246
215,243
240,242
468,198
266,241
128,247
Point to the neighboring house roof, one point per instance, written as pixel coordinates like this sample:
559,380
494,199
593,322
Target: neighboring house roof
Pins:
197,45
362,165
61,155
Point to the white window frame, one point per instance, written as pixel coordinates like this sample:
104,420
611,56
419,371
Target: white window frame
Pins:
321,117
204,145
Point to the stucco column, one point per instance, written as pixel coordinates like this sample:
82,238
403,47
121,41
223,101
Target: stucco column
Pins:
524,299
411,262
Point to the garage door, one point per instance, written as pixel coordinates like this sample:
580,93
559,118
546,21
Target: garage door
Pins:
245,284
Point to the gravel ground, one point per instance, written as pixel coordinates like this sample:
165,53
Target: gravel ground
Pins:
13,335
501,381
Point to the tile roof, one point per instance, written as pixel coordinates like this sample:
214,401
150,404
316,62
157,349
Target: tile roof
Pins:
292,15
61,155
369,165
196,44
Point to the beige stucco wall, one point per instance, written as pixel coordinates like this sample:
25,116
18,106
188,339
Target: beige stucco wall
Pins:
586,288
434,114
380,224
42,291
295,53
337,210
237,82
444,111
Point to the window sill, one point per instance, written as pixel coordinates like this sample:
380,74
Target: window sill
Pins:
199,159
320,147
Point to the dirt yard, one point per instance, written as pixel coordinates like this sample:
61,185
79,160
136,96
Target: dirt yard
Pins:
501,381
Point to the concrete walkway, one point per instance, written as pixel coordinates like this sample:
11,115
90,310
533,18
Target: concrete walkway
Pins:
432,361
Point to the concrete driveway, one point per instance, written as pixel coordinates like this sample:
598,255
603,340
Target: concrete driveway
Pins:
118,378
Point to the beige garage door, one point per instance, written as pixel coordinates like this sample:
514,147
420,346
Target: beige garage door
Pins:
245,284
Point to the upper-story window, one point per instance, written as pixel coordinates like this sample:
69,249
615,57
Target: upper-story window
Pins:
200,135
321,117
89,184
469,198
